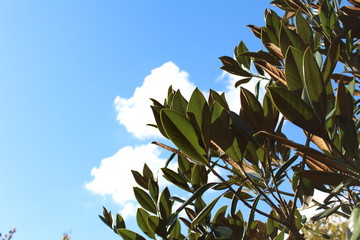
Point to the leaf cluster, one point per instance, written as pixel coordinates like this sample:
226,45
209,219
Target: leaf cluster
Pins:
310,63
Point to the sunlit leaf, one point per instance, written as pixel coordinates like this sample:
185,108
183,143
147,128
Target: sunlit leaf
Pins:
144,200
182,133
129,235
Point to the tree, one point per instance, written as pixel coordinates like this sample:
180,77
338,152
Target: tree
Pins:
9,235
311,65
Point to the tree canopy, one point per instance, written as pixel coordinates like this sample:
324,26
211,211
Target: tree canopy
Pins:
310,62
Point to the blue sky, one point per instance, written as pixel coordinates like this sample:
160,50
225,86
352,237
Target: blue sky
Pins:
75,78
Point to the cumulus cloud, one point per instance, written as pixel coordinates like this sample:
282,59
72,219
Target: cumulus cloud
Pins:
134,113
114,176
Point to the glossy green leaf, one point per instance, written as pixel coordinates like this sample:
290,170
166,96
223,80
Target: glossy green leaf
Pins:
296,110
290,38
165,204
354,224
156,112
344,111
179,103
271,114
142,222
221,133
196,194
139,179
205,212
220,99
175,232
175,178
199,114
294,69
144,200
251,109
331,60
314,83
129,235
242,81
153,188
303,29
241,48
120,222
233,67
182,133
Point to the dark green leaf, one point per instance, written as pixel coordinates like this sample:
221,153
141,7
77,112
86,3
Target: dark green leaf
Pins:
129,235
314,83
142,222
221,134
144,200
175,178
296,110
182,133
205,212
199,114
294,69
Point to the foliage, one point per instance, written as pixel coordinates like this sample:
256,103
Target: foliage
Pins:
66,236
333,228
311,64
9,235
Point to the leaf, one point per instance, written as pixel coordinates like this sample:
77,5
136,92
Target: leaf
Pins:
290,38
179,103
284,167
175,232
199,114
242,81
271,114
144,200
294,69
241,48
344,111
231,66
165,204
142,222
296,110
175,178
153,189
139,179
312,154
303,29
275,73
107,218
205,212
221,133
314,84
325,213
182,133
251,109
196,194
129,235
354,224
252,215
328,178
120,223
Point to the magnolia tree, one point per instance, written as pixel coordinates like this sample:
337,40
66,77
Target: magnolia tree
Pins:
310,61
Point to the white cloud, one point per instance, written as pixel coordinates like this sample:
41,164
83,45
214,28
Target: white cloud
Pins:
114,176
134,113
